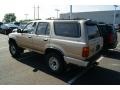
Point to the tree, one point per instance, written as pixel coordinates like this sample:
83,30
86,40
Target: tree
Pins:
9,17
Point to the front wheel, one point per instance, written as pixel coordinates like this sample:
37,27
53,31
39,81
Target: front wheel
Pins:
55,63
14,49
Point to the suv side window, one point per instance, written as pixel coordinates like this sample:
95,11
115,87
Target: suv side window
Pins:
42,28
30,27
67,29
93,31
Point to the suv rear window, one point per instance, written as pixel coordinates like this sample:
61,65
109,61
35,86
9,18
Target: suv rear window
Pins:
93,31
67,29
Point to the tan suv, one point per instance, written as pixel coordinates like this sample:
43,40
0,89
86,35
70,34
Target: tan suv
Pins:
61,41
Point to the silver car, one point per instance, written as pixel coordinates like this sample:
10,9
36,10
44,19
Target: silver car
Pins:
61,41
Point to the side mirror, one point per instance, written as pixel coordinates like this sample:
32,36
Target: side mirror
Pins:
19,31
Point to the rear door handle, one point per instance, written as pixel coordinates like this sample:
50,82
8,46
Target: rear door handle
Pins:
29,36
45,39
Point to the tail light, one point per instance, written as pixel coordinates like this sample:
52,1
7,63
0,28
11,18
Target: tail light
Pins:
85,52
110,38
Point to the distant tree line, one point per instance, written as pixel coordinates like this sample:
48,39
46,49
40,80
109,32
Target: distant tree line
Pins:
9,17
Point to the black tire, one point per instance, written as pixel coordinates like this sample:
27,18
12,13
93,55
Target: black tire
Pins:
55,63
15,50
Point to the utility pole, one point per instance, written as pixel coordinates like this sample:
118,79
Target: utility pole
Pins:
57,10
70,11
114,18
34,12
38,11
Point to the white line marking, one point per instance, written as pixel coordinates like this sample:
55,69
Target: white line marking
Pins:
116,64
100,59
77,76
116,49
3,48
81,73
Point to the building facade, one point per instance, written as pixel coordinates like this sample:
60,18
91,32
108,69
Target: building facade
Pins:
99,16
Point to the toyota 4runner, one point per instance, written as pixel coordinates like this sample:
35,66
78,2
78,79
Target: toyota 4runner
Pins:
61,41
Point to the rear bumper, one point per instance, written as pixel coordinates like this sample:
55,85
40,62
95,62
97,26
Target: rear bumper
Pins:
75,61
83,63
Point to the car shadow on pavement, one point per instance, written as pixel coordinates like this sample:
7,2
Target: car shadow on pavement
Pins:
37,61
95,76
114,54
99,76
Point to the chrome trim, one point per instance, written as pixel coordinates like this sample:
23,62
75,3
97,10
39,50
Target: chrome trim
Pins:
75,61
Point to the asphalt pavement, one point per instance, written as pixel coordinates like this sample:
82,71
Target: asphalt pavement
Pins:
30,69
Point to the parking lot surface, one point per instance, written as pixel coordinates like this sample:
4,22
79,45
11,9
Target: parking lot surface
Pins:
30,69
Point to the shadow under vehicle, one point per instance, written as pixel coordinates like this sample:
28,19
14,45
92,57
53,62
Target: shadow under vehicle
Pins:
94,76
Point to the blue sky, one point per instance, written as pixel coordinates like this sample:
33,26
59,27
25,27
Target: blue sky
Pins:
47,8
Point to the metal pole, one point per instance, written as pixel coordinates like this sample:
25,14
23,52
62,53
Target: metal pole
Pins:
70,11
38,11
114,18
34,12
57,14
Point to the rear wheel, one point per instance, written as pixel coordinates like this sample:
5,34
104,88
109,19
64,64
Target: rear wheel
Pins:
15,50
55,63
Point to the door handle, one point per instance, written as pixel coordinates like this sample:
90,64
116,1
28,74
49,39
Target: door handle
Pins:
45,39
29,36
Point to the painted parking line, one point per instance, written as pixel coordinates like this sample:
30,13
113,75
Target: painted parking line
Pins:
118,65
76,77
82,73
100,59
